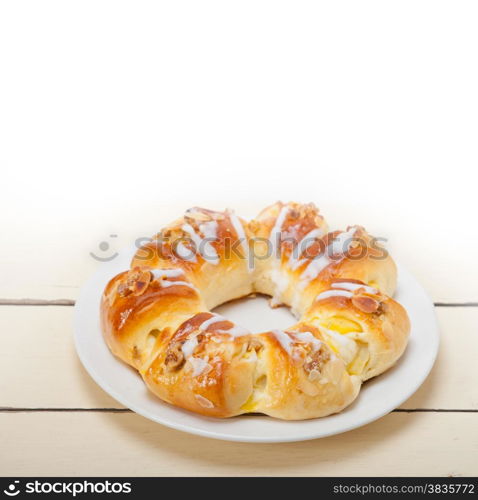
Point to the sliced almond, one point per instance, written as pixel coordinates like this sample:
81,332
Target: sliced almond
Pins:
136,282
124,290
204,402
365,303
142,283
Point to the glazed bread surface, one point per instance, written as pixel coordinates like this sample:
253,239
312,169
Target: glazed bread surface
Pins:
157,316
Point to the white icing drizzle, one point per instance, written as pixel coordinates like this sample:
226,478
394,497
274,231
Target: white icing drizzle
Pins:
166,273
241,235
284,340
308,338
295,261
314,268
209,229
207,251
309,238
345,285
199,365
341,243
210,321
191,342
334,293
185,253
339,246
189,346
275,234
235,331
166,283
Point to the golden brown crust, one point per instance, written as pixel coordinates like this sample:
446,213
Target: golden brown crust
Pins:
374,322
156,316
218,383
129,318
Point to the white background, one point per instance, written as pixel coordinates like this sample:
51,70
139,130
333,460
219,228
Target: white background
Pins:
113,112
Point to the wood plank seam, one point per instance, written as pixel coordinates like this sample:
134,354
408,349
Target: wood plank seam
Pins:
46,410
127,410
36,302
70,302
455,304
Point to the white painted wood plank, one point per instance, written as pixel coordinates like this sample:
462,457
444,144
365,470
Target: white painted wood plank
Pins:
39,366
452,381
72,444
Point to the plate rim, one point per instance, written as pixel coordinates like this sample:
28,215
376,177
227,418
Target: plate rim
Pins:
221,435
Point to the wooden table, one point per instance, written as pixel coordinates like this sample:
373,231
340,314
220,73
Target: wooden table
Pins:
115,119
56,421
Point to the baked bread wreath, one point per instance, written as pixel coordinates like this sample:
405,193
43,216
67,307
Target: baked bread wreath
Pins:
157,316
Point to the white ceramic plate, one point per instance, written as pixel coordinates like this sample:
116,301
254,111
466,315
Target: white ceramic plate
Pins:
378,396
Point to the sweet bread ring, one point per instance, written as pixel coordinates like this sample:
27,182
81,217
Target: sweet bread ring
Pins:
157,316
